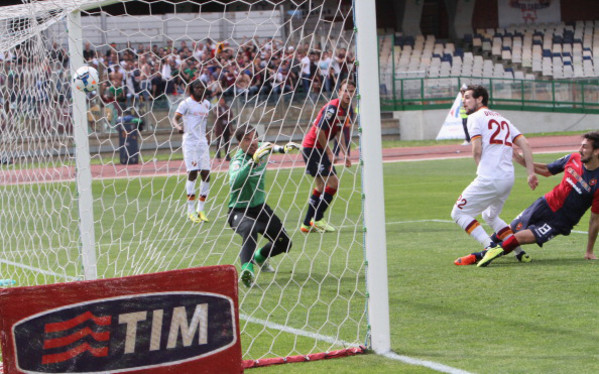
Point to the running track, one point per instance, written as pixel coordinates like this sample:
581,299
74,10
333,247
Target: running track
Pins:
10,176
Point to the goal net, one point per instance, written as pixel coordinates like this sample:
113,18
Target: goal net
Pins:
129,215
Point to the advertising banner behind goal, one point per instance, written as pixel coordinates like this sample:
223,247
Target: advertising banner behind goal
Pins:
183,321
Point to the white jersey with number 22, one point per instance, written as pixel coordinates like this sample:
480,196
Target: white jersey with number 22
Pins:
497,135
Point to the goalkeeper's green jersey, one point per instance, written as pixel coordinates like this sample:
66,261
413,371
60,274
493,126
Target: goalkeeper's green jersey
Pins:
246,180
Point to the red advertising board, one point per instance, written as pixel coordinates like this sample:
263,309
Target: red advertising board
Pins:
181,321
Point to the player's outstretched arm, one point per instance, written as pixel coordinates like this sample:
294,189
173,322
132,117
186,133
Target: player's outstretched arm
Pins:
540,168
593,230
289,147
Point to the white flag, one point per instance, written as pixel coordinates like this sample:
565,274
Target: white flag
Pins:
452,127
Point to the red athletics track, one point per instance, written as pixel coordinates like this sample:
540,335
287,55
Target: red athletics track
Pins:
9,176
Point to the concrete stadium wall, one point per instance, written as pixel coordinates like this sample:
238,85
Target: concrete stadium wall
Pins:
157,29
425,124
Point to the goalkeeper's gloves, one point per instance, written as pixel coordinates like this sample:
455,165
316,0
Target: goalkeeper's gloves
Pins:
291,146
262,151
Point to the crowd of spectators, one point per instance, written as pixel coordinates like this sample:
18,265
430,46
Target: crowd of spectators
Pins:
250,69
135,76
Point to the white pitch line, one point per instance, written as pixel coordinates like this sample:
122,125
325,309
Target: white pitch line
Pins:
294,331
332,340
429,364
41,271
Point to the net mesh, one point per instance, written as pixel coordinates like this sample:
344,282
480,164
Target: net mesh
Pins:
248,54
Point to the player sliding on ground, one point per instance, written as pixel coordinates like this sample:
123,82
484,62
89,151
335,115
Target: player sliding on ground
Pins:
249,215
196,152
319,158
492,137
559,210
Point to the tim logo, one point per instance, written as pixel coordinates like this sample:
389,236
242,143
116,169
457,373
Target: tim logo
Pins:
125,333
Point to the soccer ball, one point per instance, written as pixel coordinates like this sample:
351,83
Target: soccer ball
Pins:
86,79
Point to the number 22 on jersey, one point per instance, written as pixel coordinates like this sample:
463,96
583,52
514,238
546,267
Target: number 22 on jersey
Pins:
501,135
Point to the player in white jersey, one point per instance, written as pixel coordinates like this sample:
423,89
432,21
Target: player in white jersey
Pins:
194,112
492,137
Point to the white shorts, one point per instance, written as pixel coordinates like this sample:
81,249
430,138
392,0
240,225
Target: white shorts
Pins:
196,156
483,194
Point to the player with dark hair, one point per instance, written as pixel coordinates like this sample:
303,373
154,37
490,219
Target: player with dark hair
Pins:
196,151
319,157
464,116
249,215
492,138
559,210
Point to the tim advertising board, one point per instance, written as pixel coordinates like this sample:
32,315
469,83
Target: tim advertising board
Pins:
183,321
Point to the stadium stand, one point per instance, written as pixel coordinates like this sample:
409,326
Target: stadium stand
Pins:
542,51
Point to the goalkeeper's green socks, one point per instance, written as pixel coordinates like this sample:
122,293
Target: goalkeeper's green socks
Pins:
261,260
258,257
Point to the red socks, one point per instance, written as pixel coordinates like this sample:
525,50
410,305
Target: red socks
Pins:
510,244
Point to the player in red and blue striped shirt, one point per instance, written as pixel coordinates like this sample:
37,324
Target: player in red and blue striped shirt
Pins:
332,120
559,210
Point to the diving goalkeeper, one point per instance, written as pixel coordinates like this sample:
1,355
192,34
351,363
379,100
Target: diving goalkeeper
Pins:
249,215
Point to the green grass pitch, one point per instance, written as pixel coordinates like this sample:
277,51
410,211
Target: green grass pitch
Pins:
508,318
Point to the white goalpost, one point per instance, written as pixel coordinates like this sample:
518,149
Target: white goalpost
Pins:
374,203
93,184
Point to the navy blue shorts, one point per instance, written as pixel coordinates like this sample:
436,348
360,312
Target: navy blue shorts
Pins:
544,223
317,162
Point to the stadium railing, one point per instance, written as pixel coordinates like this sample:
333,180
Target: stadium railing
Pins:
565,96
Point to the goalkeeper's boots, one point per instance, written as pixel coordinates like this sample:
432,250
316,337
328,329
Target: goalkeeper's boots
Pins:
263,263
247,274
491,254
305,229
466,260
473,258
523,257
322,226
194,217
202,216
265,267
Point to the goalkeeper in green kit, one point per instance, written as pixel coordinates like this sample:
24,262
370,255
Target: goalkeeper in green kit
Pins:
249,215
